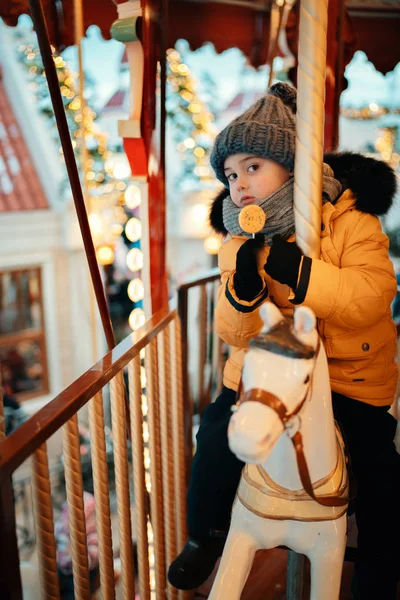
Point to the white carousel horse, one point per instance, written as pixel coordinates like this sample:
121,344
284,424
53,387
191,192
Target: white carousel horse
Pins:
283,428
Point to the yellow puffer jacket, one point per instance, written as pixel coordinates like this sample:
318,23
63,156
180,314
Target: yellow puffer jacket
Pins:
350,290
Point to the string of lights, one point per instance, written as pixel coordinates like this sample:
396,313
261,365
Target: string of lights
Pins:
106,181
372,111
187,111
114,198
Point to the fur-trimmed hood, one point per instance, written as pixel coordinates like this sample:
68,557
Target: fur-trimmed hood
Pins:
372,182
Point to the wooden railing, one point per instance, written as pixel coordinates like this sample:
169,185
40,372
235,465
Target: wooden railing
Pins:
149,465
157,431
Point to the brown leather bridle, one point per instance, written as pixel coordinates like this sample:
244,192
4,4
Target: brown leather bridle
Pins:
272,401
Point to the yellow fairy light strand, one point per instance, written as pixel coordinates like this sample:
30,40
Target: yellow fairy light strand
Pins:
105,186
181,80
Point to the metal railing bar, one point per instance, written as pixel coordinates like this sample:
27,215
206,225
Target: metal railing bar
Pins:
195,281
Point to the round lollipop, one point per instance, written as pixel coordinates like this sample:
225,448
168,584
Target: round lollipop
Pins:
252,219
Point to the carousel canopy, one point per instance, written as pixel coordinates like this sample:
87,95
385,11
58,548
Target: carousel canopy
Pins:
371,25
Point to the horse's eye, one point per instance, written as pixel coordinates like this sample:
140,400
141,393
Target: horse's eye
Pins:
307,379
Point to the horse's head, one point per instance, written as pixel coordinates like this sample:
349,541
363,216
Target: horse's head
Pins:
276,381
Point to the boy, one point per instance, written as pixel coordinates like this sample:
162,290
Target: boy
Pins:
350,288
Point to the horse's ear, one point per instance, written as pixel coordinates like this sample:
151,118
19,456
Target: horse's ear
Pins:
271,315
304,320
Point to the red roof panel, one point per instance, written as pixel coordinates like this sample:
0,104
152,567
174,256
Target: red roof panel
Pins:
20,188
243,100
117,100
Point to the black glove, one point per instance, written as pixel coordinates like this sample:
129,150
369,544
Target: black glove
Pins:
283,261
247,281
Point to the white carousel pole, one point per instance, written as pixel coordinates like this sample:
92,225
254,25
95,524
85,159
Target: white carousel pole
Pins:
308,171
310,124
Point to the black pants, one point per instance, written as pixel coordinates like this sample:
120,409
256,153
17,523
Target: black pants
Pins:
369,433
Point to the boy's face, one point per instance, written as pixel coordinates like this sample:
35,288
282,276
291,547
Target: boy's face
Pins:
252,178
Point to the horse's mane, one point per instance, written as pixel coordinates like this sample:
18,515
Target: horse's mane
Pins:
280,339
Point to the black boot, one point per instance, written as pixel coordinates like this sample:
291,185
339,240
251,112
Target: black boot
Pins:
196,562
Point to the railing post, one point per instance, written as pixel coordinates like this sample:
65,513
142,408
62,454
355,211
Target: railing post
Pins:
187,404
10,576
2,418
202,399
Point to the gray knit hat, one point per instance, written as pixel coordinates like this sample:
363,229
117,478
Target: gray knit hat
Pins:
267,129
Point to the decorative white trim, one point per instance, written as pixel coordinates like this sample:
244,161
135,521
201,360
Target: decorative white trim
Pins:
20,232
129,129
134,51
132,8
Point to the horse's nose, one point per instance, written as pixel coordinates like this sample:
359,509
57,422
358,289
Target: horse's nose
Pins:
248,428
245,435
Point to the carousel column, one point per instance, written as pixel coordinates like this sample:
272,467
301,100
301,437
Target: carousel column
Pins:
154,25
308,172
143,154
142,144
136,196
310,125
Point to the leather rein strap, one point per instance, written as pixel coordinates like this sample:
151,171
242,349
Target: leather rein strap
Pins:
272,401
